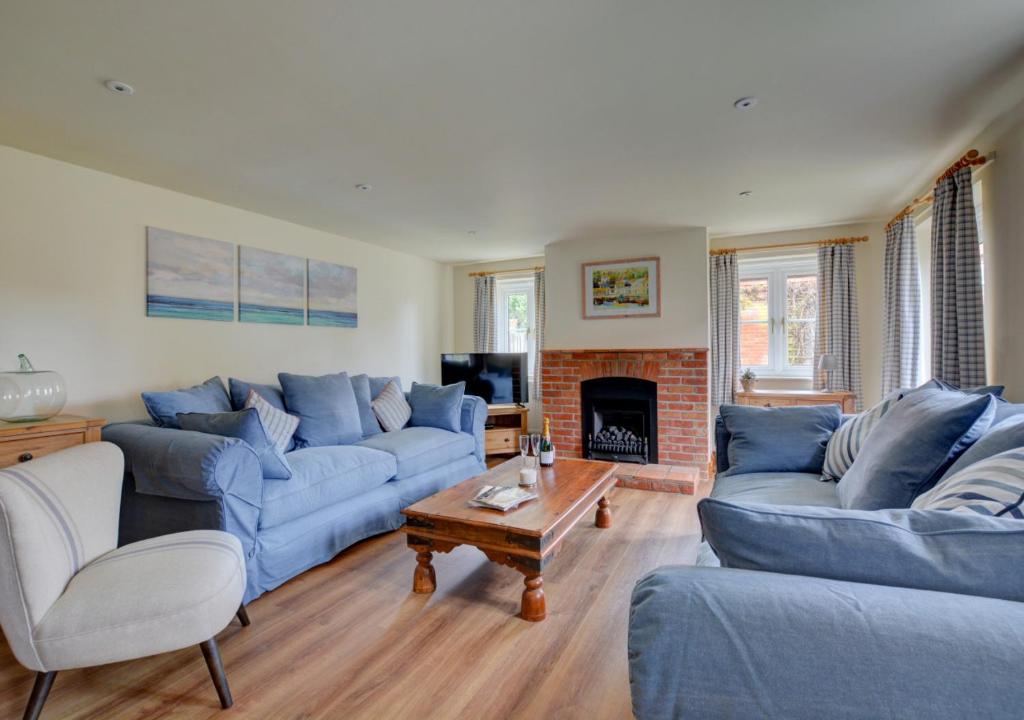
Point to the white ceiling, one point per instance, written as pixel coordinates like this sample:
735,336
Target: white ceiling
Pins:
527,122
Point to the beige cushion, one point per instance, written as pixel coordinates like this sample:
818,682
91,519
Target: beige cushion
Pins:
149,597
391,408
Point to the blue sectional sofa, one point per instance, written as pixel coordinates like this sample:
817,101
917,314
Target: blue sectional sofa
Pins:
721,642
179,480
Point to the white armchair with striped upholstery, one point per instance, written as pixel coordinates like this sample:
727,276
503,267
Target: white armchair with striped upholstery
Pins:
70,598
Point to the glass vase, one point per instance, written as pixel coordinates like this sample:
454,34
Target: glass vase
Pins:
28,395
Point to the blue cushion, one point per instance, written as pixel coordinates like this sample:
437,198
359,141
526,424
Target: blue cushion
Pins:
326,406
244,425
994,390
912,446
419,449
364,398
1007,435
415,488
163,407
1007,410
776,489
323,476
925,549
437,406
239,391
787,439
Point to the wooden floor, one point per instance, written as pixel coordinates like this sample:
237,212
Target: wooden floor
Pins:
350,640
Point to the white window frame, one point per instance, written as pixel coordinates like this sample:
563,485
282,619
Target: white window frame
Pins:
504,287
776,271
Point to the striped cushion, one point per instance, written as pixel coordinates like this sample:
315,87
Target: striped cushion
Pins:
279,425
847,441
391,408
993,486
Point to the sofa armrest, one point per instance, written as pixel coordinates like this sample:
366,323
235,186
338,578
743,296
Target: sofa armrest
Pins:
474,419
179,480
718,643
187,465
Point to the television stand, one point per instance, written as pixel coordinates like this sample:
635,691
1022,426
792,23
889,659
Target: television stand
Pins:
505,423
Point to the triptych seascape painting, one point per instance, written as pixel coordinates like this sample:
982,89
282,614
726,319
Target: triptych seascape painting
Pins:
194,278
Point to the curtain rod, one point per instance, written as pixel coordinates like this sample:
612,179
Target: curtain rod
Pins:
811,243
971,157
485,273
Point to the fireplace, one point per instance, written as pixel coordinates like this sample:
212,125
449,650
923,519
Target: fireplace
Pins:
679,417
620,419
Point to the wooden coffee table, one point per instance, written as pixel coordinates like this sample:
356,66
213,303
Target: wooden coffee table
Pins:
524,538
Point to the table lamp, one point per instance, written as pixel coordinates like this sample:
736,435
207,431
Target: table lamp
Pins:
827,363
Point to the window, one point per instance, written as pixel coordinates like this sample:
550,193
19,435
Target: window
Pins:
514,324
778,315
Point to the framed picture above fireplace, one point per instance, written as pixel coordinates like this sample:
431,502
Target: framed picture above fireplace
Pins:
622,288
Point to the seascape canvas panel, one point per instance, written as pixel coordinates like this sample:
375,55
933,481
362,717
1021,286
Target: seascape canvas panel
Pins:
622,288
189,277
271,287
332,295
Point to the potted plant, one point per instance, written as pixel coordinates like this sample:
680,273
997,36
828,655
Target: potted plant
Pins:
748,380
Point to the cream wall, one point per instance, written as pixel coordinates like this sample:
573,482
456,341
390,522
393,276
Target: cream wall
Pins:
73,289
684,292
1004,261
870,257
463,298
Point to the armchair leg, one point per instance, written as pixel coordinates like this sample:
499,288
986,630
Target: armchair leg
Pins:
41,688
243,616
220,681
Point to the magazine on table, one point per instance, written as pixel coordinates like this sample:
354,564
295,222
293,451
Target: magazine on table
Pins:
501,497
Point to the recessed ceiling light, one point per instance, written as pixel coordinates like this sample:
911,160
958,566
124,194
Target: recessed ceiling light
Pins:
746,193
745,103
119,88
364,187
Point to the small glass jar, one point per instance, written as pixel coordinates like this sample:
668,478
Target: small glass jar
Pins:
28,395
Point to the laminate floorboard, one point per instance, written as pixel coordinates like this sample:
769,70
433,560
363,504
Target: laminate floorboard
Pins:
350,639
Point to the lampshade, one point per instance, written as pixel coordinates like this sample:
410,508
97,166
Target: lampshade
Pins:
827,361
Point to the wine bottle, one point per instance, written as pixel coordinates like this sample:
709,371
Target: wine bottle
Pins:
547,450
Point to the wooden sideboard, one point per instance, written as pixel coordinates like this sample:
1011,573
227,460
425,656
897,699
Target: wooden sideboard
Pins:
784,398
505,423
21,442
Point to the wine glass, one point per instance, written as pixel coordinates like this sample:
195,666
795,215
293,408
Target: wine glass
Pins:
535,444
524,447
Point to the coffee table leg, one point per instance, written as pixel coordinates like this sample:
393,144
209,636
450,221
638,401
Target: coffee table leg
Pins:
604,515
423,579
534,605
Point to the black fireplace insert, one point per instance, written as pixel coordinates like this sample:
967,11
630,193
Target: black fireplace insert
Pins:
620,419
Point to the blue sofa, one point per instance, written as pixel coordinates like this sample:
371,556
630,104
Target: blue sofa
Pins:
713,642
178,480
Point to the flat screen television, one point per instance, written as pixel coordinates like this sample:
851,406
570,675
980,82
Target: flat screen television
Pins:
499,378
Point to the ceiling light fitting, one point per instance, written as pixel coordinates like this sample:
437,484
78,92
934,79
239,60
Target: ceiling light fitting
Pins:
364,187
746,193
745,103
119,88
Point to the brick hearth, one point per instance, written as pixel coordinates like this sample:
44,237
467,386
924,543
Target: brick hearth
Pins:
682,378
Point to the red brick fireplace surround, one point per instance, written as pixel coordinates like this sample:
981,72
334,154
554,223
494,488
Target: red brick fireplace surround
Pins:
682,378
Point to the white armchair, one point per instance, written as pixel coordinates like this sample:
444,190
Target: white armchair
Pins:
70,598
